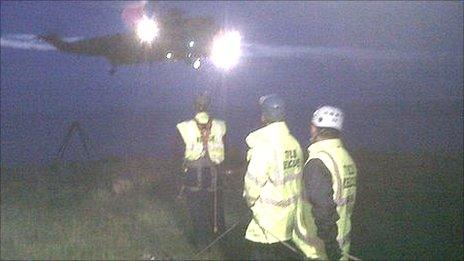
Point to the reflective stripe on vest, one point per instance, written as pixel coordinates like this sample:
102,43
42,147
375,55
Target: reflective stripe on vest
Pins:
276,203
281,203
308,240
278,181
337,177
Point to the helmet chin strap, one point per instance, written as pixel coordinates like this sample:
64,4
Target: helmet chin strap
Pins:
264,121
314,138
323,134
318,136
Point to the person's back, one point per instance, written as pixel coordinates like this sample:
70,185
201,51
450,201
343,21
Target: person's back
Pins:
323,219
276,157
343,169
272,182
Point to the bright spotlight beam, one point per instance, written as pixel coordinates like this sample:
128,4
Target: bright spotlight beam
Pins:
226,50
147,30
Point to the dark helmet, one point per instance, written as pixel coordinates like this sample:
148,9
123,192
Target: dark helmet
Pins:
202,102
272,107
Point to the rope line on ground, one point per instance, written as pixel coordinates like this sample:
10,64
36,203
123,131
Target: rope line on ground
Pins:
218,238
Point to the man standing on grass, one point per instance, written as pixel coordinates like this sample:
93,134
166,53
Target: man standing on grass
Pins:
204,140
323,221
272,182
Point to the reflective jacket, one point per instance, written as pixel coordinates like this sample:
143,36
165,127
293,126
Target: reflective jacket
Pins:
193,141
343,170
272,183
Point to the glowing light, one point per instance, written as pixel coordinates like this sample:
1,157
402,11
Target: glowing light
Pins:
169,55
191,44
147,29
197,64
226,50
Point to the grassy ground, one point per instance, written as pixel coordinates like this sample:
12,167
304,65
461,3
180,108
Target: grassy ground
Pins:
409,207
70,213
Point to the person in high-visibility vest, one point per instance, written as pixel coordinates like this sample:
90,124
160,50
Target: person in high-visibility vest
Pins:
272,182
323,220
204,140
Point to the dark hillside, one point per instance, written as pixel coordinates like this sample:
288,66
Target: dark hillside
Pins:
409,206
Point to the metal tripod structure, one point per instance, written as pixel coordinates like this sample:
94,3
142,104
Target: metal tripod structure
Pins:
83,136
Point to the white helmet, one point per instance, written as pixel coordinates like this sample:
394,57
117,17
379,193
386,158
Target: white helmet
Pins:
328,117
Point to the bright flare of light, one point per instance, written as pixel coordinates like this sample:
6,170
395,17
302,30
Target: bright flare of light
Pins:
226,50
147,29
191,44
169,55
197,64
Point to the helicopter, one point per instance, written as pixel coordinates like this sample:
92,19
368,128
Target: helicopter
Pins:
170,37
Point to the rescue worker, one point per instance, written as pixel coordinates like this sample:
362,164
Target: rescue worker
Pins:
204,140
272,182
323,225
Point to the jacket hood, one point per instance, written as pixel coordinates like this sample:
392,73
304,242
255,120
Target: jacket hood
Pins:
267,133
319,145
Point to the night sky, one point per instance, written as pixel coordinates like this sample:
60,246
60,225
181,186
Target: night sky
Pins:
396,68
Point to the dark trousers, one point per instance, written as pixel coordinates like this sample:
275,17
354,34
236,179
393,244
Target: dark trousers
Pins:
274,251
202,211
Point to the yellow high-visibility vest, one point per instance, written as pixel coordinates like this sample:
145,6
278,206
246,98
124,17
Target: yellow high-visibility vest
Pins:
272,183
194,144
343,170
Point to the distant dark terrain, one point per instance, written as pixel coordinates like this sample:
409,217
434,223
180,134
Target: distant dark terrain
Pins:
387,126
409,206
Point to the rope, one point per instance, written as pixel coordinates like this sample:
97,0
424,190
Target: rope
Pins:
218,238
288,246
353,257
